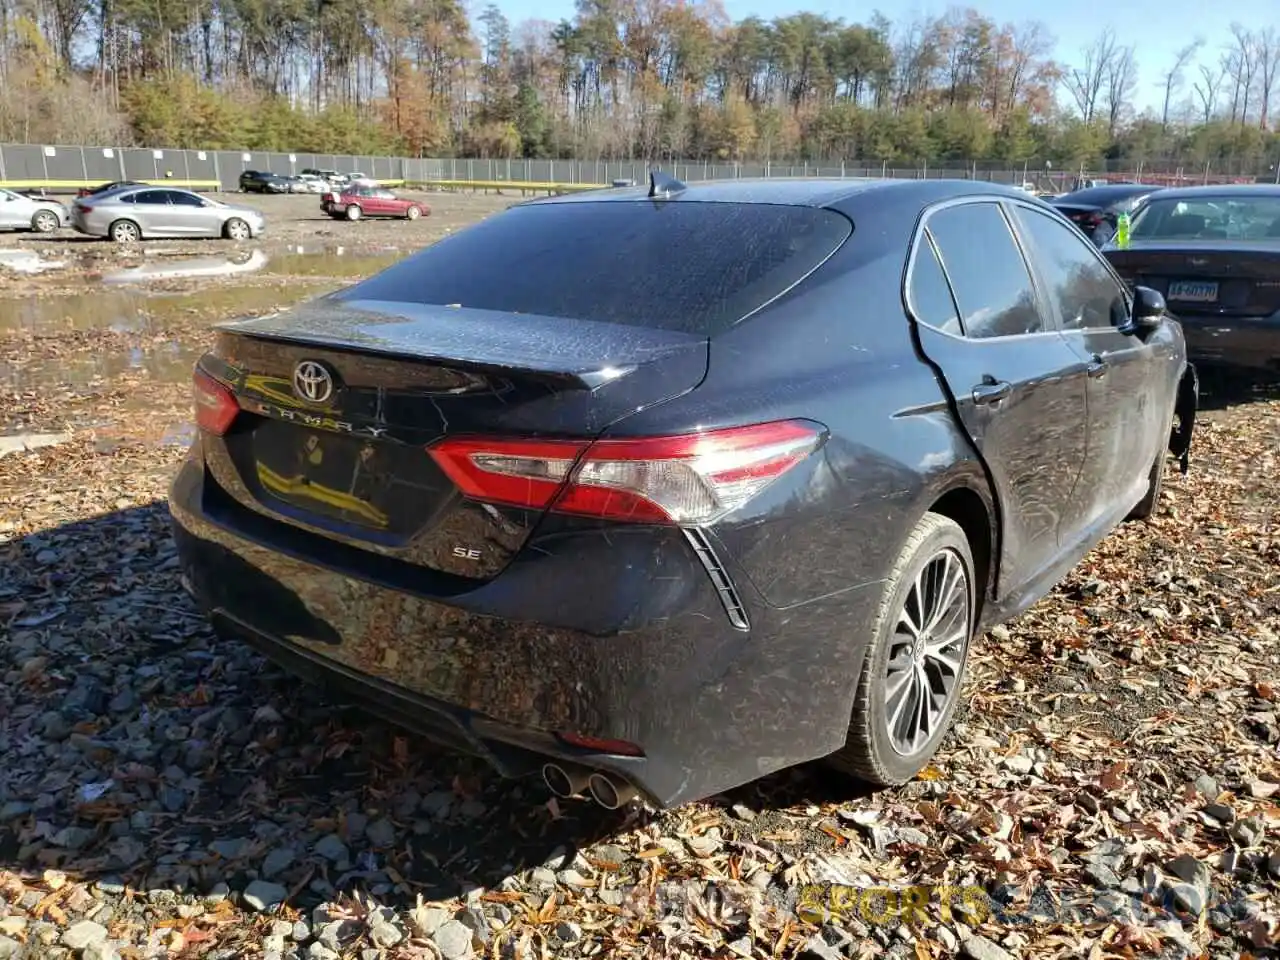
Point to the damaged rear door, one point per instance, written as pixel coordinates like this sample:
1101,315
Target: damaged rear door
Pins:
1015,385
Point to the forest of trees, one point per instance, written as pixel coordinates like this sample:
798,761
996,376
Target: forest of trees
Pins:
654,79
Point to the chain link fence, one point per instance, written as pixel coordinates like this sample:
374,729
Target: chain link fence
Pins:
63,167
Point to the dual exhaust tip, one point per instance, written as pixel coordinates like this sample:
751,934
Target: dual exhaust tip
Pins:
569,781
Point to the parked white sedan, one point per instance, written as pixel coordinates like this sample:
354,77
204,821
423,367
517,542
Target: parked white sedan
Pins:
20,212
308,183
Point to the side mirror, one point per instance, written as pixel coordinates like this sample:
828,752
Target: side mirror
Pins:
1148,311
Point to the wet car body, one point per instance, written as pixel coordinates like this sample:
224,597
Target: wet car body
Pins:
1213,252
19,212
347,540
140,213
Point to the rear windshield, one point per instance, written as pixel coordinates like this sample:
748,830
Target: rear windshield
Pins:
690,266
1209,218
1101,196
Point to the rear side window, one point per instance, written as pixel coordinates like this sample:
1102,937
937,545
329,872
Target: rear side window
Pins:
931,299
987,272
688,266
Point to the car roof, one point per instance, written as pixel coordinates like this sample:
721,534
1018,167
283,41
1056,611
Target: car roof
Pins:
799,191
142,187
1221,191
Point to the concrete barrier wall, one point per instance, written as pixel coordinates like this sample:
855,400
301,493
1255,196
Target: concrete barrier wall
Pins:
58,167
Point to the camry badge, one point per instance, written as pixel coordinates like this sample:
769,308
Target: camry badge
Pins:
312,382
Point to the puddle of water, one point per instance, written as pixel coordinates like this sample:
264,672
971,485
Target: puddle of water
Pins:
86,372
29,262
171,268
334,260
127,310
179,435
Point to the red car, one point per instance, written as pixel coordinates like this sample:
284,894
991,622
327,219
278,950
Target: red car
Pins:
361,200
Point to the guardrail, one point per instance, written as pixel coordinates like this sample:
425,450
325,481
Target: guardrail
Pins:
524,186
68,186
59,186
214,186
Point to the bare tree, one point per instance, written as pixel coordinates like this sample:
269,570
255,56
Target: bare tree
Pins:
1086,81
1241,65
1173,78
1120,78
1267,57
1209,89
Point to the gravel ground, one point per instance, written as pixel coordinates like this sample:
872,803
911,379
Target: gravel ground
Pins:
296,218
1109,790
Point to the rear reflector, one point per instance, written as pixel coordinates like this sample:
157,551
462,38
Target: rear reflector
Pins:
624,748
216,406
687,479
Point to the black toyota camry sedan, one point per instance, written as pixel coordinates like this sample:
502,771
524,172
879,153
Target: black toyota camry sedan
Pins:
656,490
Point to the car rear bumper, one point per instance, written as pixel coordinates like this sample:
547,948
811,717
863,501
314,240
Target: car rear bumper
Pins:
712,707
1252,342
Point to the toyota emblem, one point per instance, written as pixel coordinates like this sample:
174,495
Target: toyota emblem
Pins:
312,382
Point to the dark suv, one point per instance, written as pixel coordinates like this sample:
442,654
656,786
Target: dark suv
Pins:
263,181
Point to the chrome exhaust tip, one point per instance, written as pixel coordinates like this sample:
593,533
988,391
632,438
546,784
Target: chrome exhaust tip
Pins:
565,783
611,793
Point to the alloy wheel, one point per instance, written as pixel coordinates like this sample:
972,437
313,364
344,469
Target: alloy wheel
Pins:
927,652
45,222
237,230
124,232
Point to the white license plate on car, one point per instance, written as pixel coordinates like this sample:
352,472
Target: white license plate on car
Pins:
1194,290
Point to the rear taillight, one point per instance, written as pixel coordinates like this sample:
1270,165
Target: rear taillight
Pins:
216,406
83,207
688,479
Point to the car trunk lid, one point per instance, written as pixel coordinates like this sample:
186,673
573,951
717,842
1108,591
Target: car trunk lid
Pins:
1206,278
351,462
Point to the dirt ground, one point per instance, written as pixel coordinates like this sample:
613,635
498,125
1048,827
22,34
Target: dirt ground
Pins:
295,228
1108,791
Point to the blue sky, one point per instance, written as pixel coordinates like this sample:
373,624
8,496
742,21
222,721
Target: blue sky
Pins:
1156,28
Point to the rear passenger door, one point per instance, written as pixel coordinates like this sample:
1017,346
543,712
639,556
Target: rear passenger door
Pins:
1128,375
1018,388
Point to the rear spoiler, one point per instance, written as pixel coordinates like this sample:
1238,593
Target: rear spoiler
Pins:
574,354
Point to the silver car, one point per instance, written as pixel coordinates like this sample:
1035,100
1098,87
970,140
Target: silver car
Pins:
19,212
307,183
137,213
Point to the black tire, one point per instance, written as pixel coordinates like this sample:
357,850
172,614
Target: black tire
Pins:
45,221
1146,507
124,231
869,753
233,226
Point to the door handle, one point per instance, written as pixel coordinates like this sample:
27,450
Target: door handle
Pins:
1097,366
991,392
